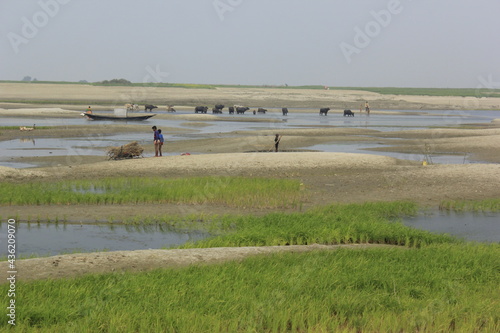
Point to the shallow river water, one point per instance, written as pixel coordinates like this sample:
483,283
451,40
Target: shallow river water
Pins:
479,227
51,239
95,145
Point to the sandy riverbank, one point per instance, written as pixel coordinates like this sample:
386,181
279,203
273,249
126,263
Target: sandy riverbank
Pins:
78,97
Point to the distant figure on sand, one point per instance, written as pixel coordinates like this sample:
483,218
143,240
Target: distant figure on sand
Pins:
160,137
367,107
277,140
156,140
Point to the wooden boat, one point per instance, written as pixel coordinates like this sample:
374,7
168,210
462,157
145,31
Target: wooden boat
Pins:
94,116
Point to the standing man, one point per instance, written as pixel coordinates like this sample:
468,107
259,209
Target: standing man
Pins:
156,140
367,107
277,140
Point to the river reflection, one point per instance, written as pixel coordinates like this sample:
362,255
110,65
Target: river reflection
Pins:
51,239
480,227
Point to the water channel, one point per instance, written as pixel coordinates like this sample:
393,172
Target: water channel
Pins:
51,239
96,145
477,227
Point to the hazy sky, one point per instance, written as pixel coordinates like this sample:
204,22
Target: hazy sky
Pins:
419,43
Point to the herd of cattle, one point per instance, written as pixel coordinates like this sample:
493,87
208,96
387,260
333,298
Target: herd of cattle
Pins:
239,109
217,109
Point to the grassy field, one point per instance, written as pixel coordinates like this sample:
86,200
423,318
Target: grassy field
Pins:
438,288
230,191
336,224
425,283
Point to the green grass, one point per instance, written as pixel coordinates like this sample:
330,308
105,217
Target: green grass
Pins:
231,191
434,284
438,288
336,224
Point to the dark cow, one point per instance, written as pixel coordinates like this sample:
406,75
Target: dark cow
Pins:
348,113
261,110
201,109
218,108
231,110
149,107
241,109
285,111
323,111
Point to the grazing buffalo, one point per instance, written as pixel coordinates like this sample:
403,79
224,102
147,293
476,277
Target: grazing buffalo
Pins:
149,107
170,108
231,110
348,113
218,108
261,110
200,109
241,109
323,111
285,111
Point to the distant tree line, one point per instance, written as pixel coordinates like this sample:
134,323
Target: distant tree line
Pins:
120,82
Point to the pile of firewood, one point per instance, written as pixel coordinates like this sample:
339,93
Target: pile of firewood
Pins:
129,150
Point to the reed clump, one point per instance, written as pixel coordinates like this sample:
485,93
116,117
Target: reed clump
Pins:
336,224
